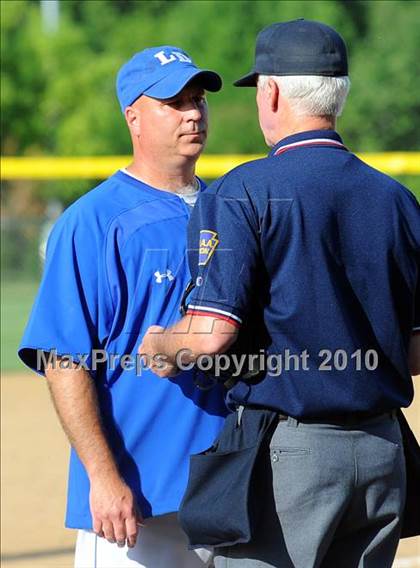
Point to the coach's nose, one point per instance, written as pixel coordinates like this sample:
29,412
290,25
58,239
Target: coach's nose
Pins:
193,111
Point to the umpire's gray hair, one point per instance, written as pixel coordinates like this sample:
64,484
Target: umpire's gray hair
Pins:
311,95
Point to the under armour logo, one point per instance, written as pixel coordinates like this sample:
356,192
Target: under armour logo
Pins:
159,277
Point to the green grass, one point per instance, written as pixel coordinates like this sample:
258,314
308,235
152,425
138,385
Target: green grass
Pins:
16,302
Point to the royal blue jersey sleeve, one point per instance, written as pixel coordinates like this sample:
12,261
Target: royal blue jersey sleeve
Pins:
224,251
71,312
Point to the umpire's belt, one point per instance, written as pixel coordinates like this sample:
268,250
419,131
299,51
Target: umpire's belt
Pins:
227,482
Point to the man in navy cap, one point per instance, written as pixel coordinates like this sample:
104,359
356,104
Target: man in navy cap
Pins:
116,264
323,251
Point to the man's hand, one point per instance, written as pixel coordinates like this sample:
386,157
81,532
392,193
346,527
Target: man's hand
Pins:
153,355
192,335
114,511
112,503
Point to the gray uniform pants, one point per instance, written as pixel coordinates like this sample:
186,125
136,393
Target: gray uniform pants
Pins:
338,495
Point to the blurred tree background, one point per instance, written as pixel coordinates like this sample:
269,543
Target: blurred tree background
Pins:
58,96
58,86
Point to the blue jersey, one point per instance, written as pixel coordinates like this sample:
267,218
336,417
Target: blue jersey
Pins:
116,264
315,256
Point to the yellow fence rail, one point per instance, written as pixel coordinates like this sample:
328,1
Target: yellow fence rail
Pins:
210,166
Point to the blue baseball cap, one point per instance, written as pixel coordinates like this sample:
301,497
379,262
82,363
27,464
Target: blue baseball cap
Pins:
161,72
299,47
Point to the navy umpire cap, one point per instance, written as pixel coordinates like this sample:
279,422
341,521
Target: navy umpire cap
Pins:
299,47
161,73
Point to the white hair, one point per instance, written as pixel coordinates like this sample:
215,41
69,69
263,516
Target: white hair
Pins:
311,95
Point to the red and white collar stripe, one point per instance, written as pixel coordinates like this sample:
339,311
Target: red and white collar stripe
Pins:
311,142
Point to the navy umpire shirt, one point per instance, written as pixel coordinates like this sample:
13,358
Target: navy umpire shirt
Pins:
312,254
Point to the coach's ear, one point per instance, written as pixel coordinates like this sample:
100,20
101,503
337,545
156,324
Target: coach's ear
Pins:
132,117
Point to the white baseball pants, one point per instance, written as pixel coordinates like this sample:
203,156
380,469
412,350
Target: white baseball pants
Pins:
160,544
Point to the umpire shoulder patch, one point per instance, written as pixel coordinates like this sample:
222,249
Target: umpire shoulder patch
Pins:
208,243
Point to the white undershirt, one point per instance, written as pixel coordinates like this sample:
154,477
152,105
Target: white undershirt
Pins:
189,197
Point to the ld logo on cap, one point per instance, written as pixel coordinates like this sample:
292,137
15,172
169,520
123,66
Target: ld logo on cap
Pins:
175,55
208,244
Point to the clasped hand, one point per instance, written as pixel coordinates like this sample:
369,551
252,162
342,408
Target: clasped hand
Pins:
152,356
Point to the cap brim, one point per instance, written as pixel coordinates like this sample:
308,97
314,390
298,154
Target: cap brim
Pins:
209,80
249,80
172,84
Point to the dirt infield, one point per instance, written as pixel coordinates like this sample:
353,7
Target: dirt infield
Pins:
34,464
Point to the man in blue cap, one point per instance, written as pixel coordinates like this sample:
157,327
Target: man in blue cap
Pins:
321,253
116,264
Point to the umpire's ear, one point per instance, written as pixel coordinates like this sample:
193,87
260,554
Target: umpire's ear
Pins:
132,117
273,94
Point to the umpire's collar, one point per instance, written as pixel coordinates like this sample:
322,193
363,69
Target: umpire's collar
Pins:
326,138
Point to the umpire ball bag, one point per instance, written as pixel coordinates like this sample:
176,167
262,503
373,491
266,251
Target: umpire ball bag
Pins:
228,483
